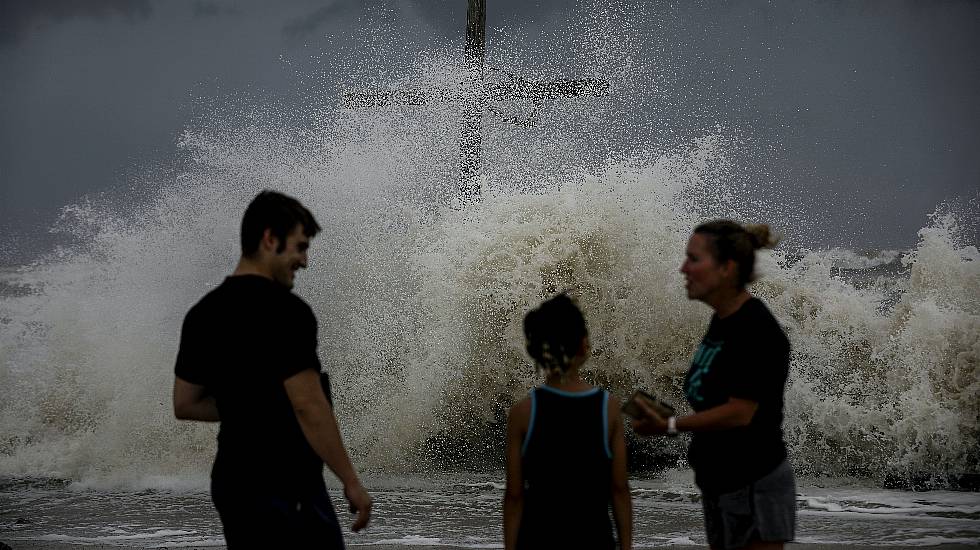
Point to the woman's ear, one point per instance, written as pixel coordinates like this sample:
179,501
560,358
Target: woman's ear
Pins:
729,269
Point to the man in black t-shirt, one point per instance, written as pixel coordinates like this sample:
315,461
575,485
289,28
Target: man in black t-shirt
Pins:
248,360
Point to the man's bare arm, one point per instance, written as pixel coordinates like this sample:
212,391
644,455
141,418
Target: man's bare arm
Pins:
316,418
191,402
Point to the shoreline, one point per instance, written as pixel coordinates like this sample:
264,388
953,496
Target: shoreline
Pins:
51,545
463,512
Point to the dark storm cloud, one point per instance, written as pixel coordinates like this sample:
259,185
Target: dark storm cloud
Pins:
871,107
451,14
447,17
205,8
89,105
20,17
307,24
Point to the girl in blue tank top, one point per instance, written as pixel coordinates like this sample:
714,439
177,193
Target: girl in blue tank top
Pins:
566,455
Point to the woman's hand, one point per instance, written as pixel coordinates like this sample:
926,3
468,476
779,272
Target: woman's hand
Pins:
735,413
649,422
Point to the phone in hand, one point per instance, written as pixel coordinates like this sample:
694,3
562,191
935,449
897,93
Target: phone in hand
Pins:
663,409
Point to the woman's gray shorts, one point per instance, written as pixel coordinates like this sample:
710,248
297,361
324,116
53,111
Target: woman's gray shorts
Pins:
765,510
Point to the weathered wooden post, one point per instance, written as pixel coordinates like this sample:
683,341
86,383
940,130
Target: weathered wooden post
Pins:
476,95
471,138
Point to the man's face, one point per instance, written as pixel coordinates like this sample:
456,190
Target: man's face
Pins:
283,265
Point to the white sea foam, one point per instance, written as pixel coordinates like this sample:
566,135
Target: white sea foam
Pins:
193,543
127,537
956,506
414,540
927,541
426,318
683,541
848,259
463,510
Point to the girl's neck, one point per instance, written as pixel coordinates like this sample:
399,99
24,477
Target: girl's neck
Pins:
570,382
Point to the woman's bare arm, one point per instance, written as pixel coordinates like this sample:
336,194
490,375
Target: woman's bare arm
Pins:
517,423
622,502
735,413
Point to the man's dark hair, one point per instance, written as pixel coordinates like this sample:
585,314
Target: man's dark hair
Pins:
277,212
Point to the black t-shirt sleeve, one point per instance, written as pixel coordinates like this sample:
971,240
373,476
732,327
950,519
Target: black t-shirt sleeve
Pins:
750,379
298,338
760,354
190,364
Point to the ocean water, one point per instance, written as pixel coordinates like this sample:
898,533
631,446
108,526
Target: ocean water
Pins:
463,511
420,296
420,311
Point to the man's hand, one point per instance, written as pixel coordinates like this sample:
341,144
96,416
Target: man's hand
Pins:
316,418
360,502
649,423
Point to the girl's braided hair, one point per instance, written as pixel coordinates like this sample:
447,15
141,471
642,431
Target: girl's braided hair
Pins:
554,333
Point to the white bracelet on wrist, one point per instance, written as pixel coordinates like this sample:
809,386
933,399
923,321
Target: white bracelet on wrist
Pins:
672,426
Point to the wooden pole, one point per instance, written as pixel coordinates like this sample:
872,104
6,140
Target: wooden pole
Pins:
476,31
475,97
471,138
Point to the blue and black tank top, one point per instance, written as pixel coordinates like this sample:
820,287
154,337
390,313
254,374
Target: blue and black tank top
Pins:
567,469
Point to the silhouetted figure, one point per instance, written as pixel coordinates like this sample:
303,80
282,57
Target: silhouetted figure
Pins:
735,386
566,455
248,358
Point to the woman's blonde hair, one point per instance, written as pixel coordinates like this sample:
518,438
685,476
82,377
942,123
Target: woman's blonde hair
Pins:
733,241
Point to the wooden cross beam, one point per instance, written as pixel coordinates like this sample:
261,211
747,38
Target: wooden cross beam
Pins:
535,91
476,98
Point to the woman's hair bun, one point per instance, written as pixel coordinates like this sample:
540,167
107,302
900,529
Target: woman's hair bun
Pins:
760,235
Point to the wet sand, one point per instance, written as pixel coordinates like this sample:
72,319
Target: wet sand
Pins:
464,511
41,545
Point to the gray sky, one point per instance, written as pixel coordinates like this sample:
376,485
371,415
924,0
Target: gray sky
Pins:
873,107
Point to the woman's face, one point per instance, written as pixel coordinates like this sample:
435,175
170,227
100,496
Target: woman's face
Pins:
704,274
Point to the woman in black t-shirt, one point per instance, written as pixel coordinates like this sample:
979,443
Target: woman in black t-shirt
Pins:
735,386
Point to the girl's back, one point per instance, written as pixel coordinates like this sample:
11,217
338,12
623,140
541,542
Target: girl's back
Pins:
566,454
566,466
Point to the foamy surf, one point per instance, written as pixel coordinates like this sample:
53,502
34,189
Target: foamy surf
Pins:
463,511
420,309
